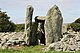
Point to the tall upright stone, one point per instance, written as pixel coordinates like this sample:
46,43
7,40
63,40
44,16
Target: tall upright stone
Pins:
33,36
53,25
28,24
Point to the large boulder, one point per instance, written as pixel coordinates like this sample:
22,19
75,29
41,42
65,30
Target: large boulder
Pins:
28,24
53,25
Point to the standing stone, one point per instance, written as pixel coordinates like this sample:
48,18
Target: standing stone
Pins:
53,25
28,23
33,36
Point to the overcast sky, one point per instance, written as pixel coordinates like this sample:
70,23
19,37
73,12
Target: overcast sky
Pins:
16,9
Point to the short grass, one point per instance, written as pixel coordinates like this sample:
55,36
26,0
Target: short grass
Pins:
31,49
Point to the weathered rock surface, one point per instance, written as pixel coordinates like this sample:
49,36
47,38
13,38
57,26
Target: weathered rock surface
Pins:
53,25
28,24
69,42
41,18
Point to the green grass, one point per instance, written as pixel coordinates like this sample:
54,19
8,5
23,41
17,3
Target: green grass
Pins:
31,49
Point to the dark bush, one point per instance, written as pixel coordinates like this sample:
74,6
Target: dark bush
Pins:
75,26
77,21
5,24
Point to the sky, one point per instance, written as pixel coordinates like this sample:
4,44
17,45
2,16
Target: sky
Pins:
16,9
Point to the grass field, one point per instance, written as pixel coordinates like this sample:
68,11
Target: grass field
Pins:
31,49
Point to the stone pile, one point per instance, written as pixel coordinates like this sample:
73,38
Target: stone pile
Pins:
8,40
69,42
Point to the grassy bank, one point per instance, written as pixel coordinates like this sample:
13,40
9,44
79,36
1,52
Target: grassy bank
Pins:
31,49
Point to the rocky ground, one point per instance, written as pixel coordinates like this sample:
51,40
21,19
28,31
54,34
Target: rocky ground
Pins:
69,42
8,40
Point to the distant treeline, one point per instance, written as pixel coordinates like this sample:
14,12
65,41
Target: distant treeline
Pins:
20,27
